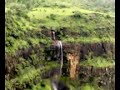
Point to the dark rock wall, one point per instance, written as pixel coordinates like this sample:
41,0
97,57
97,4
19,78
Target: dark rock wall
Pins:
104,77
98,49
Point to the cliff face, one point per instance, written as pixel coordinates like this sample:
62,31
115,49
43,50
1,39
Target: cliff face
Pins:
75,54
82,50
98,49
103,77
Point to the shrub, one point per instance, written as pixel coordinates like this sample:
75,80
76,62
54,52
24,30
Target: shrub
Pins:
77,14
52,16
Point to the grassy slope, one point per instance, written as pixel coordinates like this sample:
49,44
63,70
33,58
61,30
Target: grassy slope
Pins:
98,26
61,17
98,62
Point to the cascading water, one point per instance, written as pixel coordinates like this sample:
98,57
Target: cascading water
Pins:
59,54
53,35
59,45
54,86
61,49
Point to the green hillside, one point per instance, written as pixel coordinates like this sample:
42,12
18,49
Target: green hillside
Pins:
78,21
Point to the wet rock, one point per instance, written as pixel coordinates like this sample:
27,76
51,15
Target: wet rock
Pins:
51,73
91,78
28,86
42,85
59,85
83,49
82,75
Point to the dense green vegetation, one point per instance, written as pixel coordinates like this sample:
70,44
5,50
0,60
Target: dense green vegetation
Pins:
22,22
78,21
98,62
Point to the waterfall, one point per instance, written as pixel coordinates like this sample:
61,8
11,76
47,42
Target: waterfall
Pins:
59,50
53,35
60,54
54,86
61,57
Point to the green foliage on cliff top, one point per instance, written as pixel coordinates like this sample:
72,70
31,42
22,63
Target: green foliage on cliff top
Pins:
22,23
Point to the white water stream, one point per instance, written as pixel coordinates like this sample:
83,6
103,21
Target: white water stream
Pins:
58,44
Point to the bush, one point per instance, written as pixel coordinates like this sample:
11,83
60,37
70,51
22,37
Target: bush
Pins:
52,16
77,14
